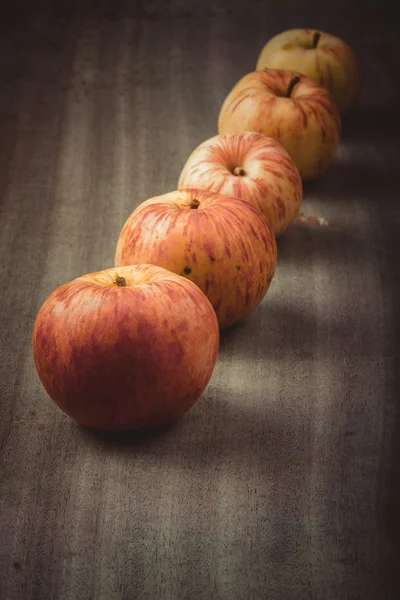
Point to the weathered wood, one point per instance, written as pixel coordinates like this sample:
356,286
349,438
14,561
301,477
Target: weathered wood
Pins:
283,481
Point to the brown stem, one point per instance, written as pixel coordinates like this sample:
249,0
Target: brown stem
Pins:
239,171
316,38
121,281
293,82
194,203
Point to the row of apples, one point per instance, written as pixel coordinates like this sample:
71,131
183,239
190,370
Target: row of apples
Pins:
135,346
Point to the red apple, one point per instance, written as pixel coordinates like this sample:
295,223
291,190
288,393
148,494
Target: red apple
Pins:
224,245
325,58
294,110
126,348
251,166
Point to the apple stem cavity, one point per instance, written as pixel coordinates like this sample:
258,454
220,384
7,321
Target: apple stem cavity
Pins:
292,83
194,203
316,38
121,281
239,171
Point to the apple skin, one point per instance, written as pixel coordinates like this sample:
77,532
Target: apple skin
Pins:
225,246
251,166
332,63
307,124
123,357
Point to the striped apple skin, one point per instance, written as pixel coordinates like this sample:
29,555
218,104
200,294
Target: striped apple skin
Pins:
225,246
333,64
307,124
250,166
126,357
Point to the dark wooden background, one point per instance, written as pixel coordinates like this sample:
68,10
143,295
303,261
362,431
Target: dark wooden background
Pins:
283,482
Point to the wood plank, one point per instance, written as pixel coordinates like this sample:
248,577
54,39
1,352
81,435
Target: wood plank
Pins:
283,480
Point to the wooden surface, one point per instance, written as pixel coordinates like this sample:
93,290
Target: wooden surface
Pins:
283,481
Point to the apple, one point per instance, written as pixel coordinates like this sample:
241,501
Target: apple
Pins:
126,348
291,108
251,166
325,58
224,245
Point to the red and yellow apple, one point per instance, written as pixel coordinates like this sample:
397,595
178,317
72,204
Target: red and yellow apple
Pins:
126,348
224,245
251,166
291,108
325,58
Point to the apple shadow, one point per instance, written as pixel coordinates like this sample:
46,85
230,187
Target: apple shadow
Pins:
224,425
305,243
364,166
362,176
291,333
353,178
138,436
344,181
366,123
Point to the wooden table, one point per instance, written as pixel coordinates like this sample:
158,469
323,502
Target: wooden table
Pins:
283,481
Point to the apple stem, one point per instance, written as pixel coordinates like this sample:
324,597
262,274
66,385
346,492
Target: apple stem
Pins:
194,203
239,171
121,281
316,38
293,82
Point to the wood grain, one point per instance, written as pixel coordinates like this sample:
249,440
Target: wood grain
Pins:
283,481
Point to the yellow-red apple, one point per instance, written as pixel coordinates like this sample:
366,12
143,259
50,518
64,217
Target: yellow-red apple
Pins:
126,348
224,245
251,166
323,57
290,107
